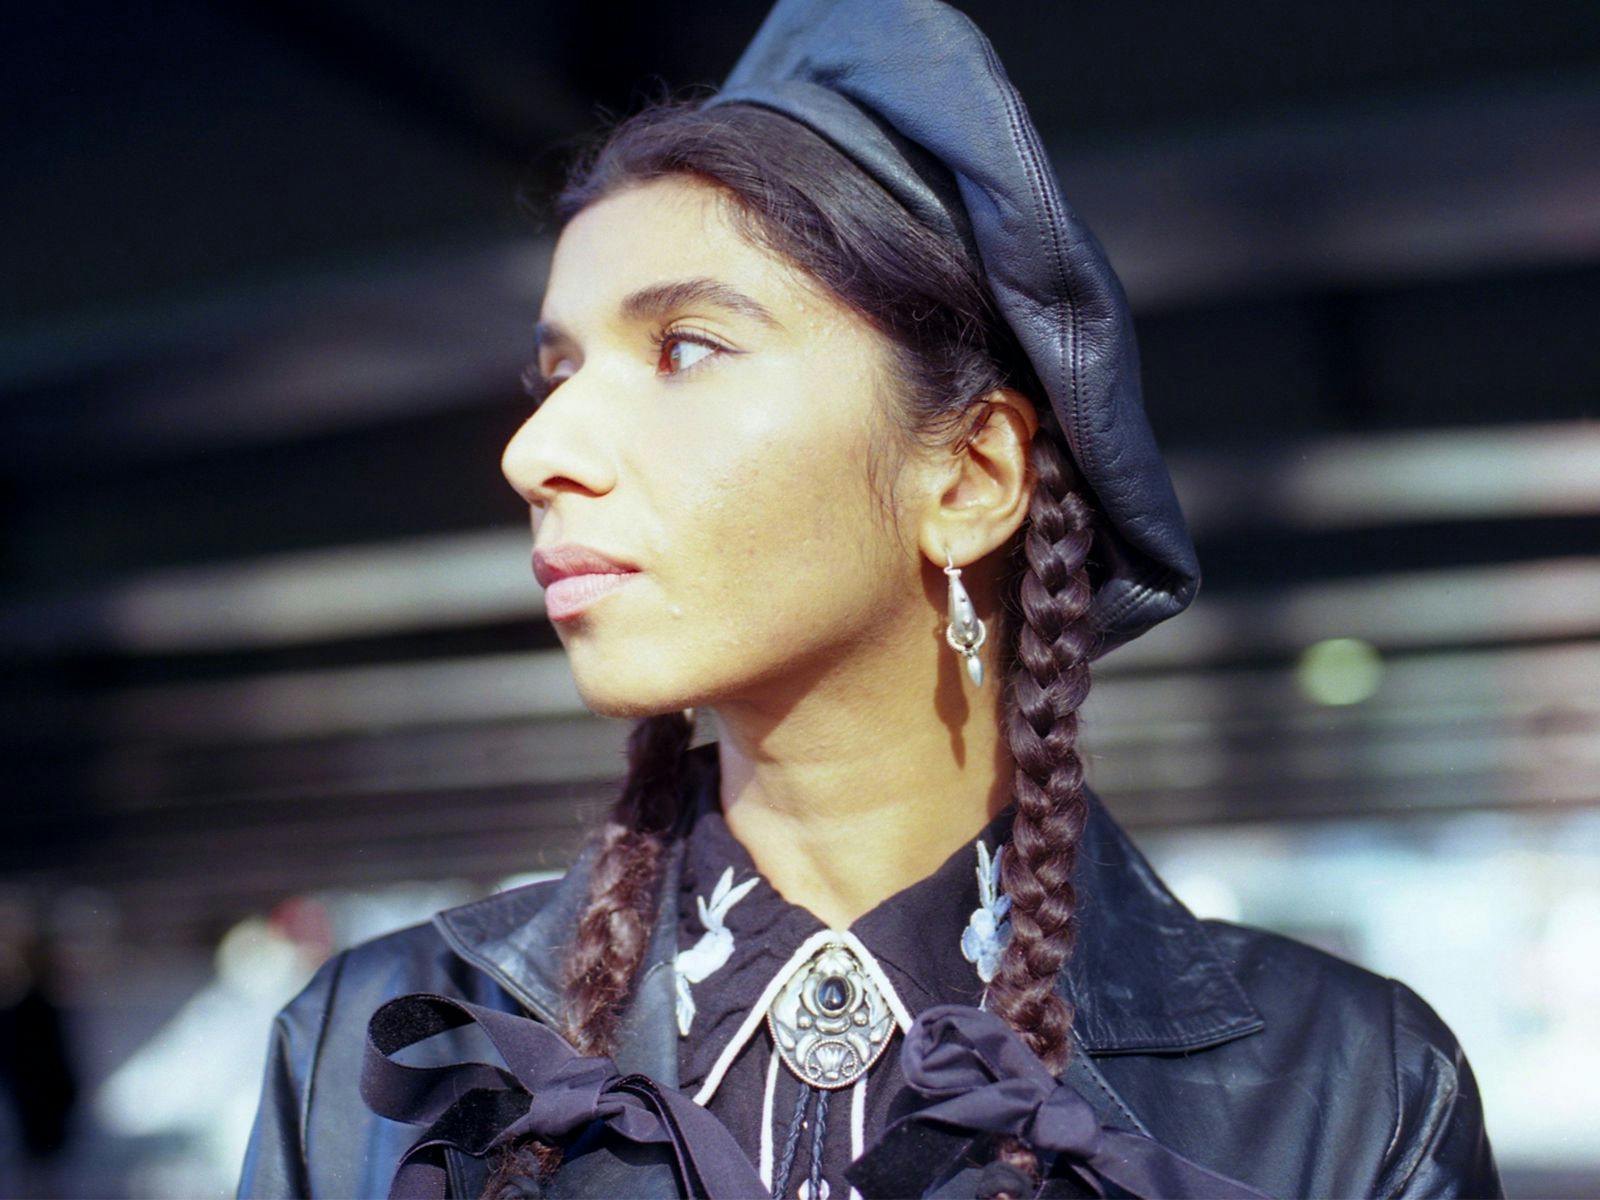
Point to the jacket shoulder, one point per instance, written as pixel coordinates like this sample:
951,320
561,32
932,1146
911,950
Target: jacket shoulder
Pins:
419,957
414,958
1296,985
1294,981
313,1134
1384,1047
412,954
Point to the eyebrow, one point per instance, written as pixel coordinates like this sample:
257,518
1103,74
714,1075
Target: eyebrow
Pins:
658,299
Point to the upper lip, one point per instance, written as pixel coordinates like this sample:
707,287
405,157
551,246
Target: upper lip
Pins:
569,558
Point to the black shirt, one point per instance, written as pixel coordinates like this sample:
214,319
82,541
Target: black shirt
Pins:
920,938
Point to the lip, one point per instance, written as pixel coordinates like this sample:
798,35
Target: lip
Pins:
575,576
570,558
573,594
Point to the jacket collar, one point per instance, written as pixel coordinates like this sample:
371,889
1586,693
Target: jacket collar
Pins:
1143,977
516,938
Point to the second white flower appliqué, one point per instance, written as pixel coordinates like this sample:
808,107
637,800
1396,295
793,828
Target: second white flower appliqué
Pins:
713,949
988,929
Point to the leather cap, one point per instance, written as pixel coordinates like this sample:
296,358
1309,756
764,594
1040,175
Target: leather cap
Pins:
913,93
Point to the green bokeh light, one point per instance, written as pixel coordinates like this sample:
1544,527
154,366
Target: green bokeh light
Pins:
1339,671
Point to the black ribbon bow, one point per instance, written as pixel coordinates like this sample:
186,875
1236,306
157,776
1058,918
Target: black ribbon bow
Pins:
549,1089
983,1078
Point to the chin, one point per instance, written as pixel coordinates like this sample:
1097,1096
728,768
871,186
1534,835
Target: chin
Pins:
627,697
622,707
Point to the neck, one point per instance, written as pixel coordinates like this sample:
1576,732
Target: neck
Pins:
853,794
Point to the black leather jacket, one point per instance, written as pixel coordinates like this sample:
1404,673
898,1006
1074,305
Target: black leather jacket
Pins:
1254,1055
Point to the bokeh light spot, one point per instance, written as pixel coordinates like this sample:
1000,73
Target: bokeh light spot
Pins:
1339,671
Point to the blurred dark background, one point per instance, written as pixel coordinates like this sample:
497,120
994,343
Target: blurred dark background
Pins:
278,674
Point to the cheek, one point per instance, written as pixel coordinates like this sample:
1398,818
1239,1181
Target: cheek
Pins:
775,542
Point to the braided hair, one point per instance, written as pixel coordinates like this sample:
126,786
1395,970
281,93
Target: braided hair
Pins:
791,192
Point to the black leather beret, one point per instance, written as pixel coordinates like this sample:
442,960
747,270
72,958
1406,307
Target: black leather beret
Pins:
912,91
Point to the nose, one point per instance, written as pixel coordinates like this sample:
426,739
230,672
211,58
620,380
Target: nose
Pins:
553,451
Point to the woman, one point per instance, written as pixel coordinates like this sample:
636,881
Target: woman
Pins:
838,437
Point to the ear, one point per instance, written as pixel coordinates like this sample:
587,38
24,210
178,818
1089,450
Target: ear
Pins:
978,495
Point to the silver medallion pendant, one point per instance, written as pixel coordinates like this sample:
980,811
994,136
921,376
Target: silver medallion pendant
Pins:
830,1021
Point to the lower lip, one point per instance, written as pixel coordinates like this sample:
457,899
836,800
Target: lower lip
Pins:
566,598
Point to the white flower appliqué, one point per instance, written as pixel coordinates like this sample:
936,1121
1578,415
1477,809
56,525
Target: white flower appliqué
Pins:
988,929
713,949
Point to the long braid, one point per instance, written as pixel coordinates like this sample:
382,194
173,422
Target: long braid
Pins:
1048,684
614,929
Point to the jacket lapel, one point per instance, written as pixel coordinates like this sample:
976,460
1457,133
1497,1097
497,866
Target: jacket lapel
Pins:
514,937
1143,976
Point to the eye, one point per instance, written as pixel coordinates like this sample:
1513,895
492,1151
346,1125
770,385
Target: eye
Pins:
677,350
537,384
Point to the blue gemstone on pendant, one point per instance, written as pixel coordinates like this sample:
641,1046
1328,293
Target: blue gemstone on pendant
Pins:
832,993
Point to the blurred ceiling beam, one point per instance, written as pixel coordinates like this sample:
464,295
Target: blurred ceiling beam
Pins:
344,700
301,597
1407,610
1357,196
1547,601
451,580
1500,727
1336,197
462,78
301,357
1534,469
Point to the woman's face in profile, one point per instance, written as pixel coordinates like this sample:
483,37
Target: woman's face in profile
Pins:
713,419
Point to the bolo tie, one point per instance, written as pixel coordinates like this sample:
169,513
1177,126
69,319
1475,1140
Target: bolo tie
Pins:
829,1023
831,1013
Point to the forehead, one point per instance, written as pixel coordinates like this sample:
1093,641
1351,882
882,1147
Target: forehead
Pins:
670,228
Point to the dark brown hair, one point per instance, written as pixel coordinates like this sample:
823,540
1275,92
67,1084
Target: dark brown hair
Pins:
791,192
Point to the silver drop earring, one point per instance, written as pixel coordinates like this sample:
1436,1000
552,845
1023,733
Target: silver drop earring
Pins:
966,631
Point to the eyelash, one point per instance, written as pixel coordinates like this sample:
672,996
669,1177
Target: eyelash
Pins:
539,388
662,338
